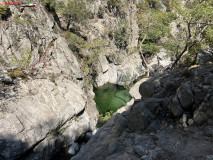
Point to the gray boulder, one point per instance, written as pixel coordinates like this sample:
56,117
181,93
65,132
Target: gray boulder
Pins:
185,96
175,108
146,89
139,117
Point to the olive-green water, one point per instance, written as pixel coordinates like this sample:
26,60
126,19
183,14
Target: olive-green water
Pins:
111,97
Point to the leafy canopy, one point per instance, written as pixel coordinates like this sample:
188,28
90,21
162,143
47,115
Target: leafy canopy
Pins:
153,25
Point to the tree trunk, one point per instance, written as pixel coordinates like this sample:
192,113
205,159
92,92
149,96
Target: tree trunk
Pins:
186,48
143,58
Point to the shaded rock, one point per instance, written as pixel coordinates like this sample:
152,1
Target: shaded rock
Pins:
146,89
209,79
74,148
185,96
175,108
139,117
134,91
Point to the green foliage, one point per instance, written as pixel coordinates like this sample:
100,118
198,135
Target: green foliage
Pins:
104,118
121,37
89,62
25,59
100,13
17,73
4,11
52,79
75,42
1,60
18,20
113,3
40,50
57,132
153,25
74,11
117,6
95,46
50,3
110,34
195,21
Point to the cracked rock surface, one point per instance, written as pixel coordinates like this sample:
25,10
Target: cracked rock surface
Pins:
174,123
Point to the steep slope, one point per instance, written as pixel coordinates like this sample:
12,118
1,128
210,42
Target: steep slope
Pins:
173,120
43,105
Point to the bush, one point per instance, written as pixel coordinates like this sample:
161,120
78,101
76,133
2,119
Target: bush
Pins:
112,4
49,3
17,73
100,13
75,42
40,50
117,6
4,12
25,59
104,118
121,38
74,11
18,20
110,34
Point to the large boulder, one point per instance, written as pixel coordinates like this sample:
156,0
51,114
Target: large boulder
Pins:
146,89
175,108
185,96
139,117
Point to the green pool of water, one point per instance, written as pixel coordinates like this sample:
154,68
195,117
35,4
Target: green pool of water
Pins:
111,97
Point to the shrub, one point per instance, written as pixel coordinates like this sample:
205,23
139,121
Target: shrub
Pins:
49,3
112,4
110,34
104,118
40,50
74,11
75,42
100,13
18,20
4,12
121,37
24,61
17,73
52,79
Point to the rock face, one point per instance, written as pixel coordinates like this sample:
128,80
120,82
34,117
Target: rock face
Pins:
174,123
38,117
43,105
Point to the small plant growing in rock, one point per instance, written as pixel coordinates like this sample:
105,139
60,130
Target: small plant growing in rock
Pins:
75,42
25,59
104,118
52,79
18,20
100,13
17,73
121,37
4,12
110,34
40,50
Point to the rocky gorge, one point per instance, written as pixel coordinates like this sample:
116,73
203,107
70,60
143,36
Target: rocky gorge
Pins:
50,66
171,120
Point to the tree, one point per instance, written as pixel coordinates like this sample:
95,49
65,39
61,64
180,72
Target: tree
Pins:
153,26
4,12
74,11
196,28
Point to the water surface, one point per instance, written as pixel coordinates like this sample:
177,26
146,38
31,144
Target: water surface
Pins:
111,97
